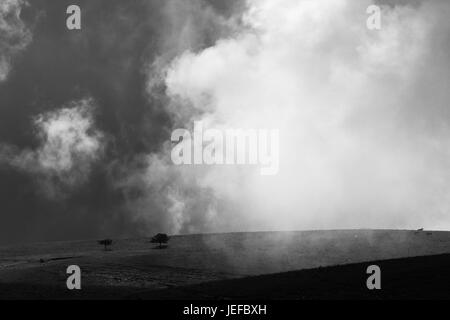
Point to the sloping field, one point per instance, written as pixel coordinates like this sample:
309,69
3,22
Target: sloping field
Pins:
135,266
424,277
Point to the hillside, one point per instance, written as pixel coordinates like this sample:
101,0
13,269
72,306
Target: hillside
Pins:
135,265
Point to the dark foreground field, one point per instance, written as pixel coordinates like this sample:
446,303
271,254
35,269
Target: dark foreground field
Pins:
262,265
408,278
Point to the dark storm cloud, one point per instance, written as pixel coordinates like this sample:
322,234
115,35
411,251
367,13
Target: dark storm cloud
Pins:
107,61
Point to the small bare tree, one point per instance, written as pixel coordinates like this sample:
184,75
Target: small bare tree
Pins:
106,243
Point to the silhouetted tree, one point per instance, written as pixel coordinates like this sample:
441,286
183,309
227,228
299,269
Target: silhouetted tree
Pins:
105,242
160,238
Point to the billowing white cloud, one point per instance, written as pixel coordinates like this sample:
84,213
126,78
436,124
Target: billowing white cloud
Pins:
69,145
14,34
362,114
186,25
67,137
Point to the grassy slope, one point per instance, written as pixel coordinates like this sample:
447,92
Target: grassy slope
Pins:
134,266
407,278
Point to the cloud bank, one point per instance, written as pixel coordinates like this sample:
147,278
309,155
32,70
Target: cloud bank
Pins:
362,115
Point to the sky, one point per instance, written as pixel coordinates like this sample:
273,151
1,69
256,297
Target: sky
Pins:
86,116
